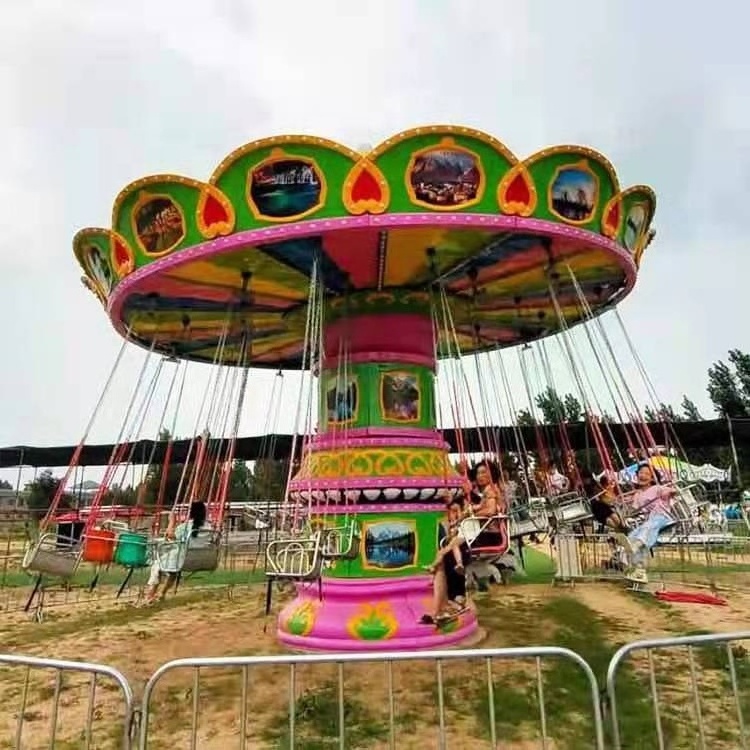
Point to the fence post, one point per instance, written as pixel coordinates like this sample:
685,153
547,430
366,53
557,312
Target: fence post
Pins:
663,643
60,666
339,660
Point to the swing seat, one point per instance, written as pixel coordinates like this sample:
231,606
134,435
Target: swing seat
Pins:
686,508
201,557
471,528
99,546
131,550
46,558
169,553
528,519
341,543
297,559
571,508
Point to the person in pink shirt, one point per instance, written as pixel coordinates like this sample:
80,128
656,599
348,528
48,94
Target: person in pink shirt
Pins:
655,500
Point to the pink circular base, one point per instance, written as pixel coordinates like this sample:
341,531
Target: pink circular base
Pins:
368,615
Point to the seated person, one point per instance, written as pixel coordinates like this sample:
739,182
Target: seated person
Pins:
656,501
559,484
603,506
452,540
484,477
169,559
448,585
487,503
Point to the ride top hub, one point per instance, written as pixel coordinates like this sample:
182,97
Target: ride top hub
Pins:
434,211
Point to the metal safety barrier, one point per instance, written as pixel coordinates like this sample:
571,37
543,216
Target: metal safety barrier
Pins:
697,676
245,665
50,714
44,708
704,560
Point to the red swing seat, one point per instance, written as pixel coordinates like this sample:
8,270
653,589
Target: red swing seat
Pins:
472,527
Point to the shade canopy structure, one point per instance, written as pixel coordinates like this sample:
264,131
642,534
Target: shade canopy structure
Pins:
692,436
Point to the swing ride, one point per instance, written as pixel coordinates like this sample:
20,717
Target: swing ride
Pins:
375,275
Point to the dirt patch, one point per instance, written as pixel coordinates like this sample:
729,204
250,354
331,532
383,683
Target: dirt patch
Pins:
593,619
734,617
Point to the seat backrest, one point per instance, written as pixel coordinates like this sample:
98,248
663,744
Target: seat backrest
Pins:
470,528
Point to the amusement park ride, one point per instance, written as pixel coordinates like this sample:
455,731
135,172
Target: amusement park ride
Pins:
374,274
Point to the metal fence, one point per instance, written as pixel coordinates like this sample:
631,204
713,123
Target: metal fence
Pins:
262,671
686,692
64,703
241,563
716,664
721,561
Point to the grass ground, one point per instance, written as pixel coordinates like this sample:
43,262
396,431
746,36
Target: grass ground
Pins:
592,619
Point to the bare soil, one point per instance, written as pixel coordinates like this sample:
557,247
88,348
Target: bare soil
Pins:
230,703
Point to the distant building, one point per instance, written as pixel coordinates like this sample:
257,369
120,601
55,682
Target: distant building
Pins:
11,499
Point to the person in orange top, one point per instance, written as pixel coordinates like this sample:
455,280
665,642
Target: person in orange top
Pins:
603,506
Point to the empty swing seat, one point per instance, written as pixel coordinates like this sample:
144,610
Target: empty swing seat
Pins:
531,518
686,508
47,558
202,553
298,559
571,508
131,550
341,542
99,546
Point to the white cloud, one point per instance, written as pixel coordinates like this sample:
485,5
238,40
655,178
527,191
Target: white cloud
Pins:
96,93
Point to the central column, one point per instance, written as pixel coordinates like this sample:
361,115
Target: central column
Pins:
379,461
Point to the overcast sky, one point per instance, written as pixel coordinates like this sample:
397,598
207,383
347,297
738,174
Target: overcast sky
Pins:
96,93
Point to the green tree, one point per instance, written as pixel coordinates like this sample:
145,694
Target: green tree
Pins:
729,386
240,482
5,485
741,363
174,482
573,409
690,410
551,405
663,413
556,408
525,418
117,495
41,492
269,479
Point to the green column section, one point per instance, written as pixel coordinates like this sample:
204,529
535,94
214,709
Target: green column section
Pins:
392,545
377,395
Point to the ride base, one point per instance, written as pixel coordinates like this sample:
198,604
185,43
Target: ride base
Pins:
375,598
368,615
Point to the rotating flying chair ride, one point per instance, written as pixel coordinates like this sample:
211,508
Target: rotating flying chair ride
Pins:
347,263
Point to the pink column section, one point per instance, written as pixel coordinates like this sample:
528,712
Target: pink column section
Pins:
368,615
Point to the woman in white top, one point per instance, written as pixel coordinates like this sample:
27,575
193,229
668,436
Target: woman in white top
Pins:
169,557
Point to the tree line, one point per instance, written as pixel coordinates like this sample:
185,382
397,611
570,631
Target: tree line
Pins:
728,389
